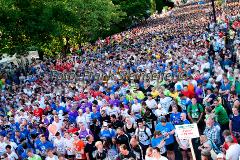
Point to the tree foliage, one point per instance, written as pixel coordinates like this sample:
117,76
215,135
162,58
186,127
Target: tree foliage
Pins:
44,24
135,9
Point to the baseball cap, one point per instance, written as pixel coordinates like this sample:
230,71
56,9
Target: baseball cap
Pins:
163,119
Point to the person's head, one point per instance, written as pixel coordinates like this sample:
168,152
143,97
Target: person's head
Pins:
80,112
157,134
229,140
90,138
203,138
99,145
30,153
163,121
194,101
149,152
113,118
58,135
134,141
128,120
174,109
50,153
42,138
94,109
209,91
140,124
87,110
56,118
61,157
120,131
75,136
82,126
226,133
235,111
123,149
183,116
156,153
215,102
8,149
149,97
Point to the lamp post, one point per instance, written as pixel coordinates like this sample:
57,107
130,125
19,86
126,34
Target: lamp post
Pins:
214,12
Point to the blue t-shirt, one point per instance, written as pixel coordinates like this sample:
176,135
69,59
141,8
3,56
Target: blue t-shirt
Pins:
175,118
44,146
95,115
235,123
156,141
109,133
167,128
186,121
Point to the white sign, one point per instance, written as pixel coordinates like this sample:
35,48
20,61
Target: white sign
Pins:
187,131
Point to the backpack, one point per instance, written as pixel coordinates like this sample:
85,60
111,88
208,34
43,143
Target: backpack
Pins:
145,131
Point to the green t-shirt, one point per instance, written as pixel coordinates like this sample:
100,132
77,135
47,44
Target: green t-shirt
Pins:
166,92
221,114
140,95
195,111
35,157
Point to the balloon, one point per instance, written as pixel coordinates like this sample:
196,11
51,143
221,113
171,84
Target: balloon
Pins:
52,129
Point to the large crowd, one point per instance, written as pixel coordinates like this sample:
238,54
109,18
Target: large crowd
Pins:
125,117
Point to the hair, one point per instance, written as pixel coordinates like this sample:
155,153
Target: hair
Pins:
156,133
98,143
29,150
123,146
157,149
88,137
149,149
113,116
8,147
57,134
226,133
229,139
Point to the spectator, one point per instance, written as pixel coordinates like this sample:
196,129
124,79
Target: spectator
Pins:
233,151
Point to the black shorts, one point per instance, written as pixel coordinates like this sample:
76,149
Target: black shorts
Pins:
170,147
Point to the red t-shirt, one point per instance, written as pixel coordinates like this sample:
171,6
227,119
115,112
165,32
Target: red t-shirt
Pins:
38,112
225,145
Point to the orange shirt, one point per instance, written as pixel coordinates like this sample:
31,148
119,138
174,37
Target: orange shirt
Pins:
78,146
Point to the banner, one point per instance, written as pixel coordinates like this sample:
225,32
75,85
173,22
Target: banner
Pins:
187,131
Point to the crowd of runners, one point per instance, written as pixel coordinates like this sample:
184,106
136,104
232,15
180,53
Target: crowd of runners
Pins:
127,114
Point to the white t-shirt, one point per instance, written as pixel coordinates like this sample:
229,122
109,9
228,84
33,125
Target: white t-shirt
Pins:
124,113
58,125
2,147
152,104
68,143
87,117
53,158
111,111
161,158
12,156
59,144
233,152
165,103
136,108
81,118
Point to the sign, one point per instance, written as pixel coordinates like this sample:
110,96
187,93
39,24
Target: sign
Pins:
187,131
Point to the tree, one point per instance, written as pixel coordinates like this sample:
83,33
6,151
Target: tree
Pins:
45,24
136,10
